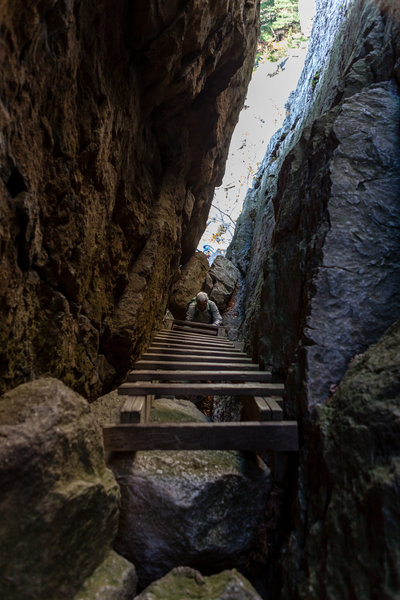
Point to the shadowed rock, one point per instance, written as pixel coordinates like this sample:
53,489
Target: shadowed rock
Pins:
196,508
189,284
59,503
352,528
221,281
116,122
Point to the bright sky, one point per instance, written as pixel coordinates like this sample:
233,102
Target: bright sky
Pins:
262,115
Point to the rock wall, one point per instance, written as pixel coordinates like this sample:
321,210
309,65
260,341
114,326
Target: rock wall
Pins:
345,543
116,120
317,246
317,243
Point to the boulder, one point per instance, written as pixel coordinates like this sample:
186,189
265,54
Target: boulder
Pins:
352,530
189,284
59,502
114,579
183,583
221,281
197,508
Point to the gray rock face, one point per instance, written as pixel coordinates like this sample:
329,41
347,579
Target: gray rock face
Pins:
357,285
114,579
318,239
183,583
221,281
350,531
189,284
318,246
198,509
59,503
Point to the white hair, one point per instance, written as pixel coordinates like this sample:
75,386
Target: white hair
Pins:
202,297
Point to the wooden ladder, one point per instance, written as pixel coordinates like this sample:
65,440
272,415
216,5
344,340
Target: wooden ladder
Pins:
194,359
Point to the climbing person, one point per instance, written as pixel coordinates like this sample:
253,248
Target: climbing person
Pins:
203,310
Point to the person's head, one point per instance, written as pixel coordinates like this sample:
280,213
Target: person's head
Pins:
202,300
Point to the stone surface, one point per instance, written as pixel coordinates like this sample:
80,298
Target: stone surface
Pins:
349,528
223,277
225,408
189,284
318,239
317,247
116,120
114,579
107,408
198,508
358,281
183,583
59,502
172,410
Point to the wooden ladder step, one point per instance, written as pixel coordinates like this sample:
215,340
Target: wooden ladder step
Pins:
133,410
276,409
215,341
200,345
201,366
203,346
196,375
196,357
258,408
201,389
275,436
179,364
196,351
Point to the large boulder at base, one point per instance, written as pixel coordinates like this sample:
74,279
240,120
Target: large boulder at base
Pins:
221,281
189,284
114,579
59,502
106,409
197,508
183,583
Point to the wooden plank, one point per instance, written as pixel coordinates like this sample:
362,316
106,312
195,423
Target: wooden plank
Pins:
203,346
133,410
255,409
194,338
205,332
278,399
196,358
280,436
193,324
196,375
198,389
149,402
195,351
166,364
181,340
276,410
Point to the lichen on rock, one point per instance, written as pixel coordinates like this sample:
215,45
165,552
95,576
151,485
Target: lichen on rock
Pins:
183,583
59,502
351,532
114,579
197,508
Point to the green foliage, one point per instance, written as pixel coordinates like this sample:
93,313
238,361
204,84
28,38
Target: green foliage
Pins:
315,79
280,29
